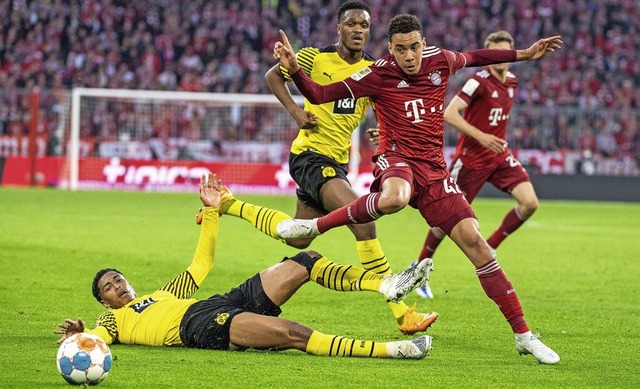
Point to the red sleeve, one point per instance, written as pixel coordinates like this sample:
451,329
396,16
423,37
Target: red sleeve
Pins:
320,94
482,57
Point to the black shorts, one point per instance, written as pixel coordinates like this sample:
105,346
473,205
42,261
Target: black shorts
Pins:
310,171
206,323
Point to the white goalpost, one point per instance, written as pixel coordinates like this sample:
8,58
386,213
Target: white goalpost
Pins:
168,125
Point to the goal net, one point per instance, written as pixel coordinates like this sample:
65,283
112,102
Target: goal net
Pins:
162,140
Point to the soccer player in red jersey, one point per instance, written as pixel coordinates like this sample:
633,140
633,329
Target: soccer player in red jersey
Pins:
482,154
407,88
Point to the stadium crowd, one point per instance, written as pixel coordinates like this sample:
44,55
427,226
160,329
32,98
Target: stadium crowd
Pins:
226,46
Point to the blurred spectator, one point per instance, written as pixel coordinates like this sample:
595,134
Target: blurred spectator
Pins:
225,46
145,45
606,143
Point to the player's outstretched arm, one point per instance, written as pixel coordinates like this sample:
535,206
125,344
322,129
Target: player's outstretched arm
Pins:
205,251
540,48
68,328
185,284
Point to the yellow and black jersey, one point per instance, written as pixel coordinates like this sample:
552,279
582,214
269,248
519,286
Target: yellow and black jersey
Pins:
154,319
336,119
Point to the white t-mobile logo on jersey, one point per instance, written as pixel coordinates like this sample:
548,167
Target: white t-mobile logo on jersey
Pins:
415,108
495,115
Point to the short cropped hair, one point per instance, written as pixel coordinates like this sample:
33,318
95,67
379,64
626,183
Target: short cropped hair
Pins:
94,286
497,37
352,4
404,24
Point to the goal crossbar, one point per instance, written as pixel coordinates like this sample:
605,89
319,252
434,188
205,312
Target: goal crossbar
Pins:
149,95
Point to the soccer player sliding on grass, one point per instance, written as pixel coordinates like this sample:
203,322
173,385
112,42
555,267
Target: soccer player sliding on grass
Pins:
320,153
407,88
246,316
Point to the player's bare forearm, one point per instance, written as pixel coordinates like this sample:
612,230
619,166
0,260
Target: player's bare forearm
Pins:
277,85
453,117
540,48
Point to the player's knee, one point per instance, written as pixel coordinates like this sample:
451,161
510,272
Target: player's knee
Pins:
306,258
394,202
529,207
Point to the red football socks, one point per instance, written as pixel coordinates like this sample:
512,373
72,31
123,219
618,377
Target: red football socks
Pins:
499,289
362,210
510,223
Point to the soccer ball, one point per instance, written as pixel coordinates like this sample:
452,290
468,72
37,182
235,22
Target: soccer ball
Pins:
84,359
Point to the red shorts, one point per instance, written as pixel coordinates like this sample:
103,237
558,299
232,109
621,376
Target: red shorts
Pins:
434,192
506,175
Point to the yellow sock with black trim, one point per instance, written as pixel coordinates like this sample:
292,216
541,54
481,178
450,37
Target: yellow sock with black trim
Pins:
373,259
262,218
344,278
339,346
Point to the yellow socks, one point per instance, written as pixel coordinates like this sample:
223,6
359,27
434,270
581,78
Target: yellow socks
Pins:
338,346
344,277
373,259
371,256
264,219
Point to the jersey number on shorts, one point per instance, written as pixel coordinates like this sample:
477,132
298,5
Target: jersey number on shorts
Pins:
513,162
450,186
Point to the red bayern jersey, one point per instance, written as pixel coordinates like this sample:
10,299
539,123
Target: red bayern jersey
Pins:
489,102
410,109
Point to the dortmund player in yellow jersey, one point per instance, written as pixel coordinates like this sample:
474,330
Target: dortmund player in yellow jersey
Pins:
246,316
320,153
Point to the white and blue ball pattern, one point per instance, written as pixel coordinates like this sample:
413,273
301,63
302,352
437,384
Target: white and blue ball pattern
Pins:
84,359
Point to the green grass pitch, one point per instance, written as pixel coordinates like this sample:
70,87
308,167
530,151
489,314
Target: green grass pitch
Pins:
575,266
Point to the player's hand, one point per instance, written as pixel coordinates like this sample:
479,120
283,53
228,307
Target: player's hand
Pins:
283,52
68,328
374,135
493,143
210,190
305,119
540,48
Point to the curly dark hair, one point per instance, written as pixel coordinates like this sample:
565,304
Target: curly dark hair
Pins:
94,286
404,24
353,4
